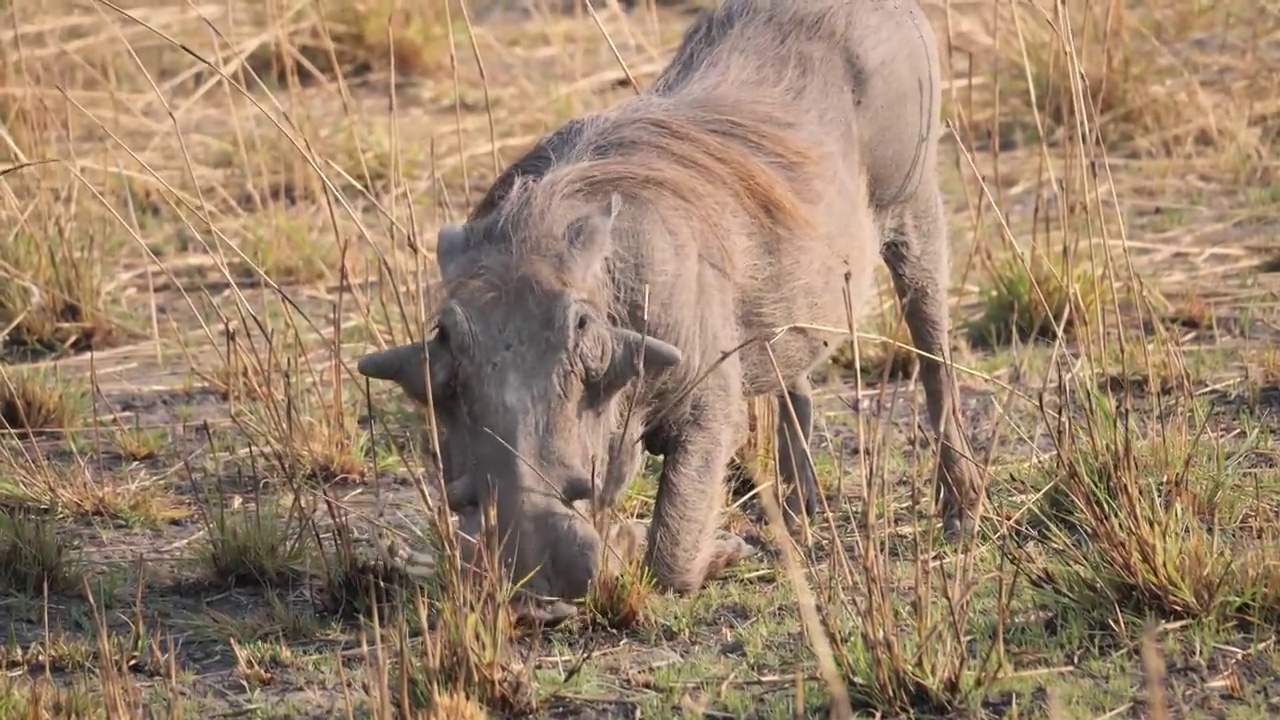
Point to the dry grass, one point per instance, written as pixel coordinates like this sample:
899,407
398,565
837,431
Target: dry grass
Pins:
210,210
138,444
617,600
52,283
40,401
75,489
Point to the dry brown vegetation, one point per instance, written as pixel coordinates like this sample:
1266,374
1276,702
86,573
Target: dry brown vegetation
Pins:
209,210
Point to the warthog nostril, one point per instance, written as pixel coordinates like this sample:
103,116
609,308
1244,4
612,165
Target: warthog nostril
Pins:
578,488
461,493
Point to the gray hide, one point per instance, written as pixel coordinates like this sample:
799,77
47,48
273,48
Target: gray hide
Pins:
785,148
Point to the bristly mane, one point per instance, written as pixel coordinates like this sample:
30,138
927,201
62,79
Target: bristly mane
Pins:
535,163
710,159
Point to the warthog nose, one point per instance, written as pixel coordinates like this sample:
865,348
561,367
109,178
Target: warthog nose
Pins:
460,493
578,488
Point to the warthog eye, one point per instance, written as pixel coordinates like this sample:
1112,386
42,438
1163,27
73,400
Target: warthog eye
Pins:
591,346
581,317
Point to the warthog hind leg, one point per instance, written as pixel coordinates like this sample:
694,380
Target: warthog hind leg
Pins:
916,254
795,426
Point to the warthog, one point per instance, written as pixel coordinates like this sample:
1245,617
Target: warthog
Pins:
642,270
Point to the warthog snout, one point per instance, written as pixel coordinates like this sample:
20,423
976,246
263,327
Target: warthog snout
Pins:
561,551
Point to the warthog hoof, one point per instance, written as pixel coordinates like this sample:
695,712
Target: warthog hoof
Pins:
530,612
955,528
729,549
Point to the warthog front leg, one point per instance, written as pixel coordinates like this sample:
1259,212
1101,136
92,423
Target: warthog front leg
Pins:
683,541
793,432
917,258
626,541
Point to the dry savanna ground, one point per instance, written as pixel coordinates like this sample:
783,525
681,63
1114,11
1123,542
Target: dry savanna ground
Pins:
210,209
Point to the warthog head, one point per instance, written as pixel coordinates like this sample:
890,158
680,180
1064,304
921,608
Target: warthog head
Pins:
525,369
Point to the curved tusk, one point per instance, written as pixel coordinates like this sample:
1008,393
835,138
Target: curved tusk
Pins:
393,364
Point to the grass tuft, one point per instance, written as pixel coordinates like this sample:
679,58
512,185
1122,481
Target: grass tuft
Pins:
35,556
471,649
617,601
1038,301
137,443
454,706
56,292
1147,522
300,423
75,489
919,663
40,401
470,653
260,546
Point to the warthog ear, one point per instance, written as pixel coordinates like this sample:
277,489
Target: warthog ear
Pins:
592,236
451,243
405,365
633,353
